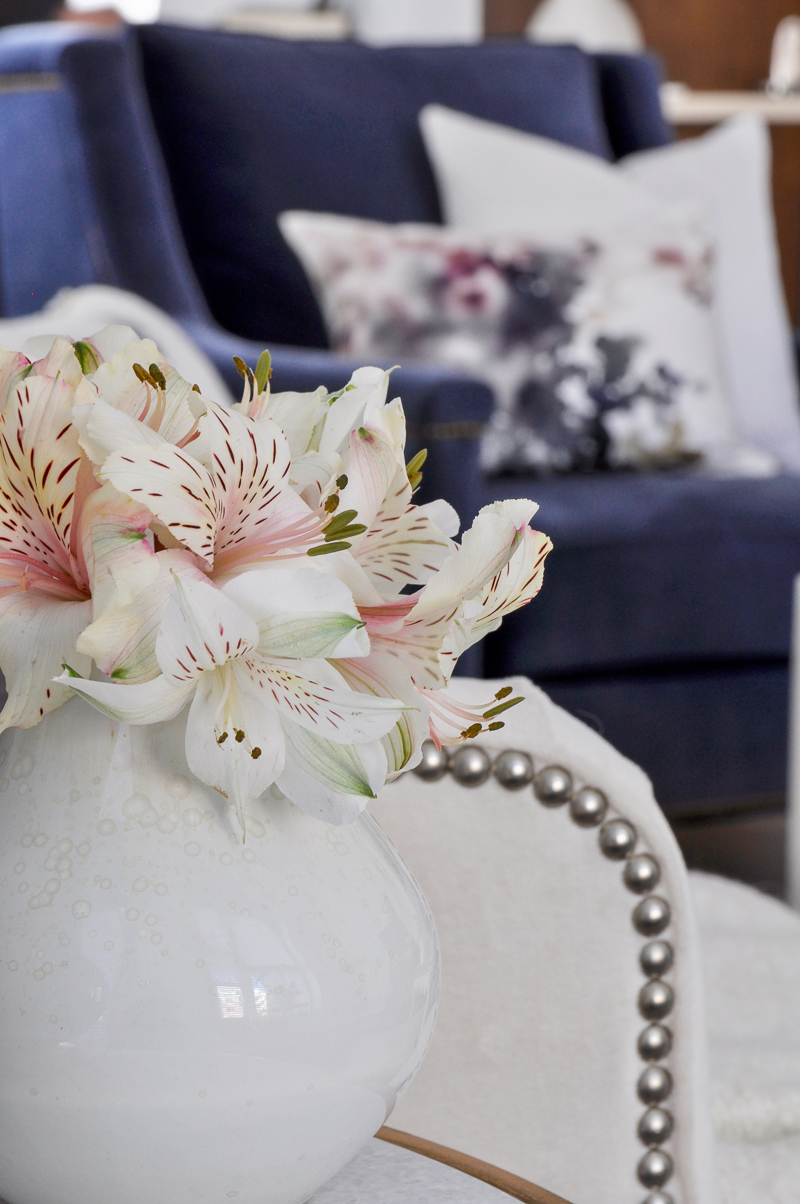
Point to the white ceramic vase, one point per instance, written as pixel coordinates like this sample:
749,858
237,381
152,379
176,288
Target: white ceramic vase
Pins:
184,1018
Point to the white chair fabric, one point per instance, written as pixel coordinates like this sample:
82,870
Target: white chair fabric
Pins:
751,956
534,1062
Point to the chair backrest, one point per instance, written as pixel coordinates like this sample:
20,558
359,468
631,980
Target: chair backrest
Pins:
570,1046
84,198
251,126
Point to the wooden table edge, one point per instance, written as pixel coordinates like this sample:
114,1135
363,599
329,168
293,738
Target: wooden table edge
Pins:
512,1185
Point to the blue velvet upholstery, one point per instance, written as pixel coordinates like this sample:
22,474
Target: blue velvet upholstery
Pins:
631,106
665,614
82,184
666,618
653,570
252,126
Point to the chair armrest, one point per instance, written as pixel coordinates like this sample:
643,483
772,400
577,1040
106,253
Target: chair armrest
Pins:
445,412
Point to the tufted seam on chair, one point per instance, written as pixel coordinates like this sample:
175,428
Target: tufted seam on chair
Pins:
553,785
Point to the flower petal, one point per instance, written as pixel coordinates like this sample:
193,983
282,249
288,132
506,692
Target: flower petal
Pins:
485,548
117,383
40,463
330,781
300,613
370,466
178,489
367,386
386,677
403,546
146,702
260,515
119,560
227,703
514,586
201,630
37,635
123,640
315,697
298,415
104,430
13,367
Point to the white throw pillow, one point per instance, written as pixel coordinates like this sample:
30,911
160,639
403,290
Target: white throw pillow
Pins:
492,178
600,353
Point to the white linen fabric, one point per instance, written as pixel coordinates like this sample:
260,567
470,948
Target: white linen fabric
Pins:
79,312
533,1065
492,178
600,351
751,956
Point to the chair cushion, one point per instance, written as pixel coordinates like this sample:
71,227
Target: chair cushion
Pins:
251,126
652,570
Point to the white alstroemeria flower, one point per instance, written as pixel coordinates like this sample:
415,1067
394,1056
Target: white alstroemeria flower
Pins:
318,425
234,513
237,514
70,551
131,375
266,706
470,586
415,641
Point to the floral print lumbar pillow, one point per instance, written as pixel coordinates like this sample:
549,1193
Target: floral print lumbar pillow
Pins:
599,356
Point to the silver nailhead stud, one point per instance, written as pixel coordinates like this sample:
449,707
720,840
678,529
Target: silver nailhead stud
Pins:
434,764
658,1197
655,1085
655,1168
588,806
641,874
513,770
656,999
470,765
654,1043
617,839
656,958
655,1126
651,916
553,785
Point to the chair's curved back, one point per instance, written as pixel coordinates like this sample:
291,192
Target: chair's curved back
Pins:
84,196
552,1042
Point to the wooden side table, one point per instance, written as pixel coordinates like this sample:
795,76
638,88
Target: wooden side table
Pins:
693,112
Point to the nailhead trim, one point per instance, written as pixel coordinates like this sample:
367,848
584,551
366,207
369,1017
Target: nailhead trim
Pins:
552,786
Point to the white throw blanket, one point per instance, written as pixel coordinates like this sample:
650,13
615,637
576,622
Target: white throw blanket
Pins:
80,312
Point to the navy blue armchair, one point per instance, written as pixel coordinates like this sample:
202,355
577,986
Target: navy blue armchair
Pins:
158,160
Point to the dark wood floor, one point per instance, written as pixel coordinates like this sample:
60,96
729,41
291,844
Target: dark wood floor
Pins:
747,842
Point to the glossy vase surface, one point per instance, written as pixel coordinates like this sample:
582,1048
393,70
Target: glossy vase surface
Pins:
186,1018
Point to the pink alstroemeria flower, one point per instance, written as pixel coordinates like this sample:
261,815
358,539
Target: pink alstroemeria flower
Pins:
70,551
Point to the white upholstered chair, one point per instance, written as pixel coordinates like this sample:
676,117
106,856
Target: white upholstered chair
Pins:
570,1046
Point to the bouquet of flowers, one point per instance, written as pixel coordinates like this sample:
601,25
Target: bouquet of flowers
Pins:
264,564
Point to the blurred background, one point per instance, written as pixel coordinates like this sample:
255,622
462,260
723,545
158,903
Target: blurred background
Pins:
718,59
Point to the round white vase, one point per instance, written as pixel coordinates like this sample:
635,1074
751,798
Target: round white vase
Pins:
184,1018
